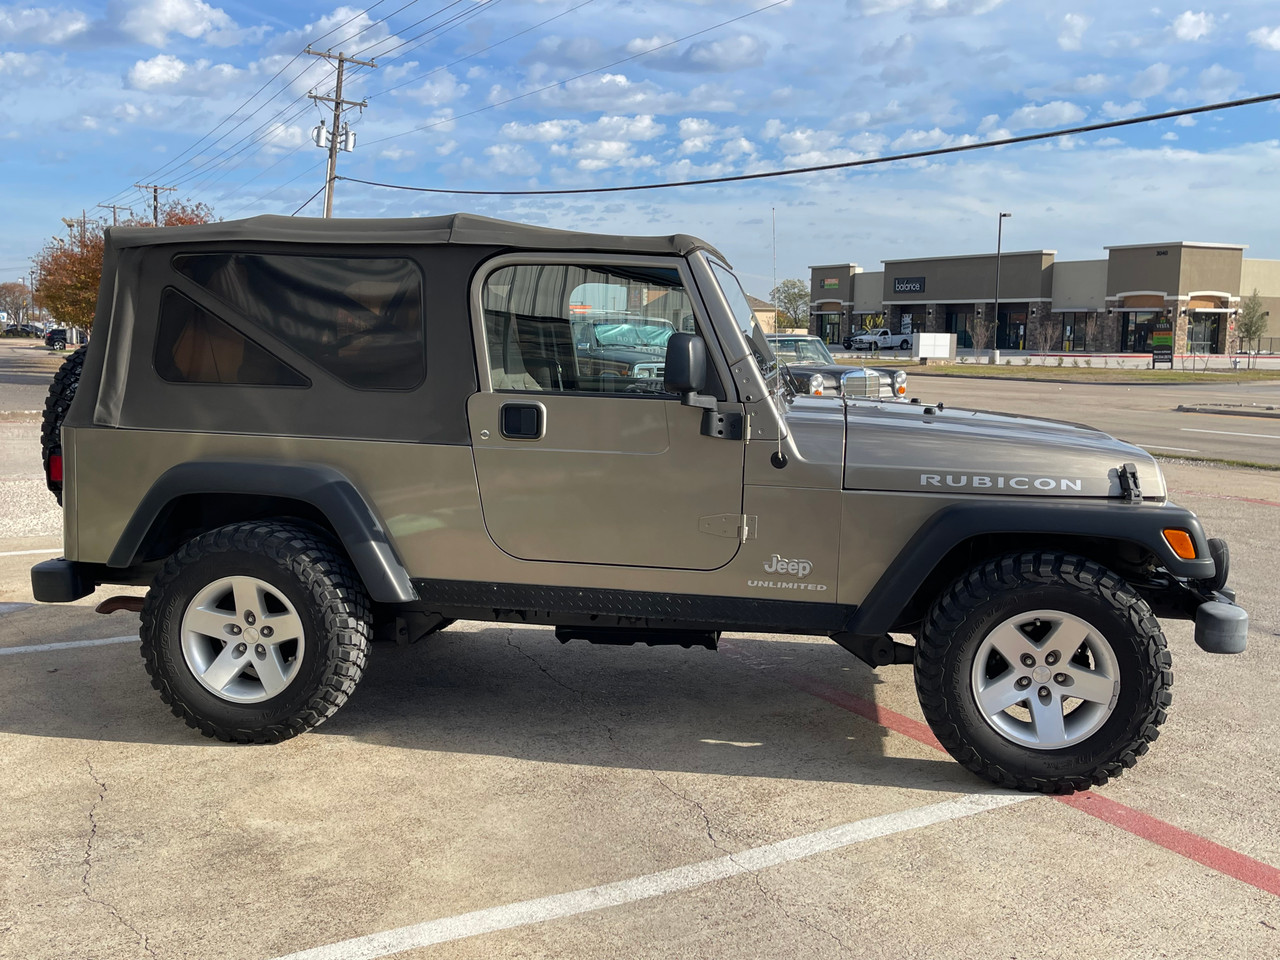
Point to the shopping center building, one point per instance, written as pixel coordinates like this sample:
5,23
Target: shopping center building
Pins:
1109,305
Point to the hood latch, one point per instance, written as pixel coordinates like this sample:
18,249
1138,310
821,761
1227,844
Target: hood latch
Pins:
1130,488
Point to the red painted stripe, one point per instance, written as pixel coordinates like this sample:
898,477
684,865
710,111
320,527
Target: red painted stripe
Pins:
1175,839
1183,842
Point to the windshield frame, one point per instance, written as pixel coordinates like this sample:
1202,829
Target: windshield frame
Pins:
734,299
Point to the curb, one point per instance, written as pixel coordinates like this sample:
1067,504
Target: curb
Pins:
1267,413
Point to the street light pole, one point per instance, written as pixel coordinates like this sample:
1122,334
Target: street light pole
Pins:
996,317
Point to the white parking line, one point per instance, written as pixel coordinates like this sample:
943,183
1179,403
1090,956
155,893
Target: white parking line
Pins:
652,885
66,645
1165,446
24,553
1231,433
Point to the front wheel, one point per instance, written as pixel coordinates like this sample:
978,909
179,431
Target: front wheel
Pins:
256,632
1043,671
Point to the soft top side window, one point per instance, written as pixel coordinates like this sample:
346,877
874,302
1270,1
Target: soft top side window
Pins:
359,319
194,346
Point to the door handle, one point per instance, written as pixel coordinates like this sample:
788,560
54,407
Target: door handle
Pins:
522,421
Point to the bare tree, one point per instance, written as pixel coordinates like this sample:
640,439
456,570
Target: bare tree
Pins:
1251,323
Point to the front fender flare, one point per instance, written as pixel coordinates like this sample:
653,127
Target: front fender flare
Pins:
321,486
1141,524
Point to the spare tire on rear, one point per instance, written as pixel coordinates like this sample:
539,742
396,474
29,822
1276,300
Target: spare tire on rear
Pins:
61,392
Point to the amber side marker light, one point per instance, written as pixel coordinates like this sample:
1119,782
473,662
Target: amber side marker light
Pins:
1182,543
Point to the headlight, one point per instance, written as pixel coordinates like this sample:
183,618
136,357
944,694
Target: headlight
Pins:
816,385
900,383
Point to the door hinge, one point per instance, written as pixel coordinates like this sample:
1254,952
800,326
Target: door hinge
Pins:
736,526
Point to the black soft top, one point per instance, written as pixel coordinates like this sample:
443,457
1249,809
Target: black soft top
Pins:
454,229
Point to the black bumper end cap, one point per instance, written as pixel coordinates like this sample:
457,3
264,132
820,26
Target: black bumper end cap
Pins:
1221,627
60,581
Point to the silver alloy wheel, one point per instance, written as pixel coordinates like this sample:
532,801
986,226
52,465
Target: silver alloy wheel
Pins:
1045,679
242,639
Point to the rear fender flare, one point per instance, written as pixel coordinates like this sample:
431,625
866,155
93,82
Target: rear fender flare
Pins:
326,489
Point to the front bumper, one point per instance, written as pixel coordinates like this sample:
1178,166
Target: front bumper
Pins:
1221,625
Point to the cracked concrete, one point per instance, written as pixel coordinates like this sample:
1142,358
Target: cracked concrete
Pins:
584,702
85,879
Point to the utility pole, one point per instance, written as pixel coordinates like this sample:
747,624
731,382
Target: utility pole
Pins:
155,199
71,223
336,134
115,212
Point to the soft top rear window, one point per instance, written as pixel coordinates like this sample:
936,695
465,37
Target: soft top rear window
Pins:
360,319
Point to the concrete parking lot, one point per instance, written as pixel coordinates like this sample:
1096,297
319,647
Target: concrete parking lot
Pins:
492,793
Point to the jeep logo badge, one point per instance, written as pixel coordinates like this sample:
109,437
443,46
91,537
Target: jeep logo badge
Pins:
797,568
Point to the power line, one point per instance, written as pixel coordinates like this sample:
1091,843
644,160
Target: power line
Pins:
231,116
469,56
847,164
464,16
587,73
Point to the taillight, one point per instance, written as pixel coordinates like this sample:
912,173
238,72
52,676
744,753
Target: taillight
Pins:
55,467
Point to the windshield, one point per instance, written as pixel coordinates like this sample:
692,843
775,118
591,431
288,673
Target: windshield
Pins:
751,328
801,350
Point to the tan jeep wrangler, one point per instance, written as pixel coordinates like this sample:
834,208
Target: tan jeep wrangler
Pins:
298,433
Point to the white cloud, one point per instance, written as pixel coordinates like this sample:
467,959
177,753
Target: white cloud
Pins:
437,90
627,128
1072,33
19,65
1151,81
510,158
151,21
931,8
1120,111
645,44
1091,83
1218,83
1192,26
1185,122
1056,113
43,26
396,153
160,71
544,132
920,140
1169,136
1266,37
713,56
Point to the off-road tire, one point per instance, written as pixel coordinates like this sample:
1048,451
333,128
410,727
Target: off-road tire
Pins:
308,569
990,594
61,392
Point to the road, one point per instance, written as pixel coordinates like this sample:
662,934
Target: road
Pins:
1146,415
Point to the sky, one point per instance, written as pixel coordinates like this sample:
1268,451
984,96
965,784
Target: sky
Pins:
211,98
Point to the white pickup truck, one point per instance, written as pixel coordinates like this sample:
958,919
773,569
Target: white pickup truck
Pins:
878,338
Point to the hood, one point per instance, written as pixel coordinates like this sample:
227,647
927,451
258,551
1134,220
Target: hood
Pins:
900,447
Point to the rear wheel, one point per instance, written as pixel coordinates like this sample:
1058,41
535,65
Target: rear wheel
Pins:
1043,671
256,632
61,392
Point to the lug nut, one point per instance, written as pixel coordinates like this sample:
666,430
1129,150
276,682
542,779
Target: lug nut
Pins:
1043,693
249,618
266,632
239,650
1028,660
260,650
1052,658
1022,683
233,629
1061,679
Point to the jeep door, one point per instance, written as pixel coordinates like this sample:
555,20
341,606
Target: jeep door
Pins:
580,464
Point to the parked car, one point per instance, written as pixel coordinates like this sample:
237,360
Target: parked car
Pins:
259,439
21,330
57,338
814,371
878,339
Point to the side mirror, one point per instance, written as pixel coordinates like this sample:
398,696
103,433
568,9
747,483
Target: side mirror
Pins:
686,364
